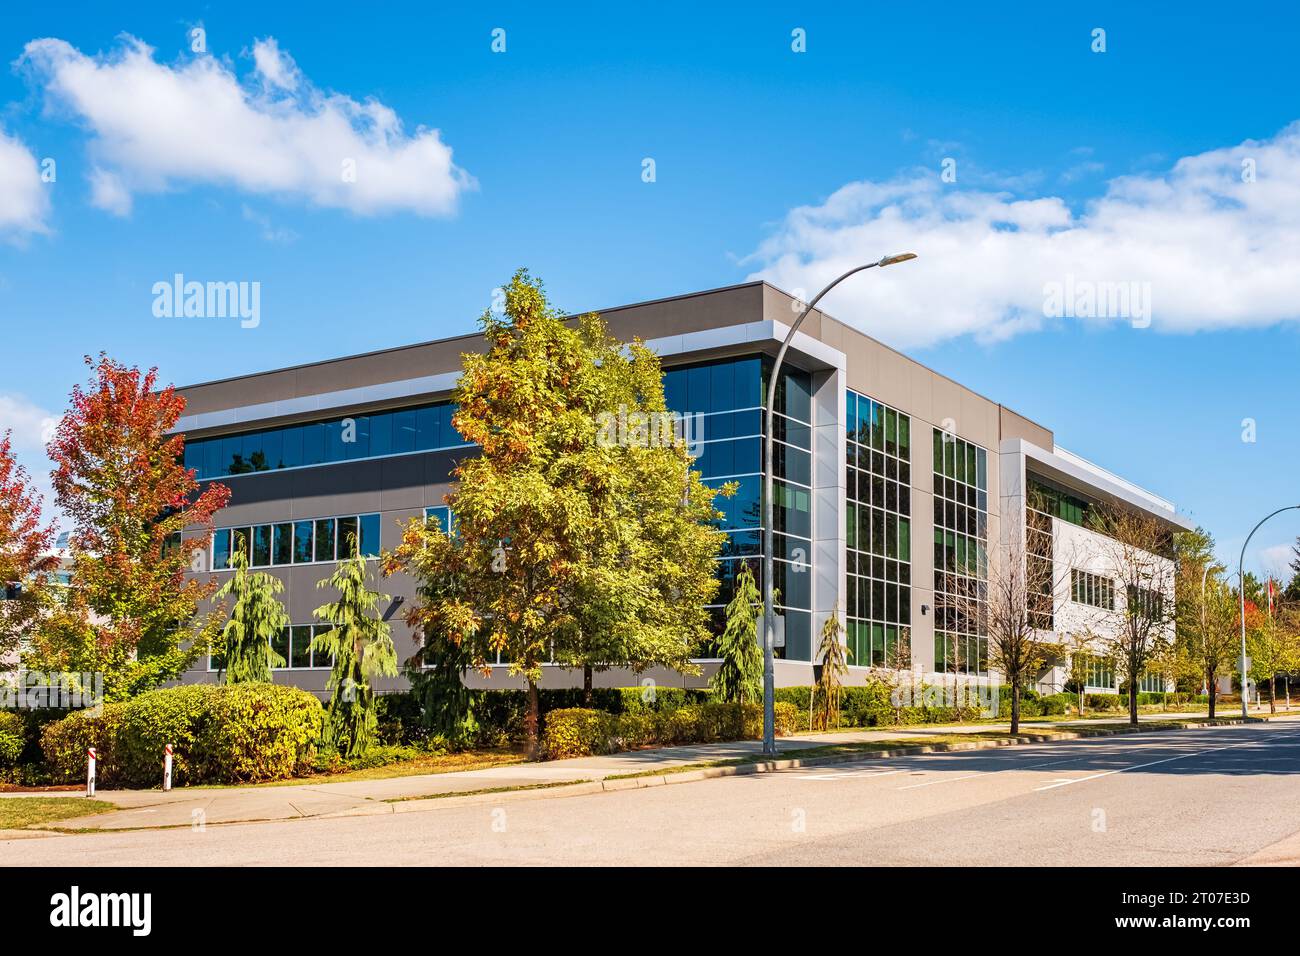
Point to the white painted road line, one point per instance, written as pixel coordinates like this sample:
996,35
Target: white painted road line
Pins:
931,783
1140,766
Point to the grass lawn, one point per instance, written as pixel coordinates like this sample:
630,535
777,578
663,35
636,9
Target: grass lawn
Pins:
433,763
19,812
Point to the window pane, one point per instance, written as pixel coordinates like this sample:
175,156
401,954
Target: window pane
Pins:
313,443
262,545
427,429
348,538
370,535
221,549
302,542
403,431
291,450
334,448
319,658
241,538
301,646
280,644
282,544
381,434
325,539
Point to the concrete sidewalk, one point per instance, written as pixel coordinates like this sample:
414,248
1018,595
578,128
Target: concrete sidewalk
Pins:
201,805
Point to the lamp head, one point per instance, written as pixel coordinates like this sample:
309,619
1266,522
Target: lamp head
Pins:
900,257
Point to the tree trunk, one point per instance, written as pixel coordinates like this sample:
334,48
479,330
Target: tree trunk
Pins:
1212,686
1272,694
586,685
1015,707
531,719
1133,703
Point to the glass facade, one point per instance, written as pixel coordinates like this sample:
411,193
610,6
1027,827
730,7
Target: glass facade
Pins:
1058,503
728,397
878,531
960,555
297,542
373,435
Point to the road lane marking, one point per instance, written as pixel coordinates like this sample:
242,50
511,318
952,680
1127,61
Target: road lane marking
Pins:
931,783
1140,766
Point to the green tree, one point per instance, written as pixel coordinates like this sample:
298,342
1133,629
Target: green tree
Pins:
256,619
833,656
1274,648
739,677
567,547
361,645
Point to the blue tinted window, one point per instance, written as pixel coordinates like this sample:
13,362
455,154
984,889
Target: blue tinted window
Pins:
749,384
403,431
334,449
292,449
428,432
313,443
359,432
302,541
221,549
722,386
212,457
381,434
698,394
675,390
369,535
273,448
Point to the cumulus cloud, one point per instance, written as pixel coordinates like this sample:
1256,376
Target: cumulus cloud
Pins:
23,200
1212,238
158,127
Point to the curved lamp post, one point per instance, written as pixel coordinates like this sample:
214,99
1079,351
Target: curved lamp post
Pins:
769,537
1205,628
1241,593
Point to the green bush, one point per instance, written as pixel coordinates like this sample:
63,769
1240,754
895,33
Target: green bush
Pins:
1105,702
577,732
220,734
581,732
11,738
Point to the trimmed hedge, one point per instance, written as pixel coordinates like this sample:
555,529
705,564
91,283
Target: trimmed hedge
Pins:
582,732
242,734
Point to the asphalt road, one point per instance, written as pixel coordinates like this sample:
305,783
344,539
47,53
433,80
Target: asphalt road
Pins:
1193,797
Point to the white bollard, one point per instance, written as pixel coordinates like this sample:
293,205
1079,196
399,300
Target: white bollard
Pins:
167,767
90,772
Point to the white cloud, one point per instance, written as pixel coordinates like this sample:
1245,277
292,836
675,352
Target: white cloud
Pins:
1217,251
269,230
159,126
31,428
1276,560
24,203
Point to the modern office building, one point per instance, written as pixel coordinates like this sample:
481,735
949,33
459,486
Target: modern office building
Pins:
893,482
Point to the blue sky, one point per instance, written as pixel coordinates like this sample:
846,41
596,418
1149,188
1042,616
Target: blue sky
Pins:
757,150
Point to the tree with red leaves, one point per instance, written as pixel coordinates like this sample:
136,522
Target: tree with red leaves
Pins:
138,519
25,558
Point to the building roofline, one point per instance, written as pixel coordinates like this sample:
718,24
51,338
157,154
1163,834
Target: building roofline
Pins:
316,363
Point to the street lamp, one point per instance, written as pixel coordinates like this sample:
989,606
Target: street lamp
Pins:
769,537
1205,628
1241,593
